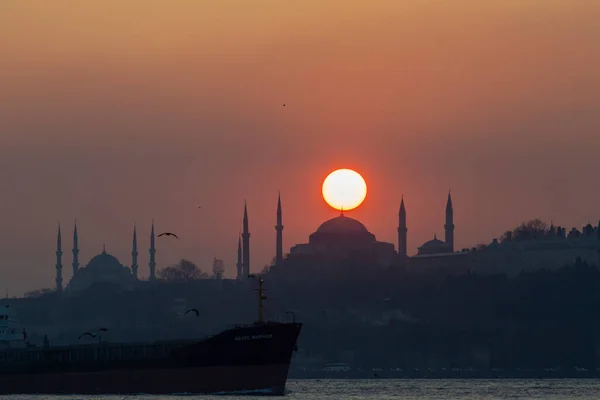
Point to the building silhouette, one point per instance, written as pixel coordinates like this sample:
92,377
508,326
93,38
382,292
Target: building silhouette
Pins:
402,230
246,244
134,254
59,279
75,263
279,234
103,268
449,227
239,265
152,263
342,237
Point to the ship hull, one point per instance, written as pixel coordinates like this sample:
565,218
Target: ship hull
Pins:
258,380
252,359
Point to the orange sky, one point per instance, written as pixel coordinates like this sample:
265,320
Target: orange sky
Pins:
119,110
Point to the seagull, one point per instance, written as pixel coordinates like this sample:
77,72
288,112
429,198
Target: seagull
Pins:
87,333
168,234
194,310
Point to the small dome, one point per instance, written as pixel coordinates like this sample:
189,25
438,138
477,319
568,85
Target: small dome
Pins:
434,246
342,225
434,243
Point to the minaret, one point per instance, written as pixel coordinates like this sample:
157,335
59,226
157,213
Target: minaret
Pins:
449,227
152,263
246,244
75,250
134,254
279,238
239,264
59,253
402,229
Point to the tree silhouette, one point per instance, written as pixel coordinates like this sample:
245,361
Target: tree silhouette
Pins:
534,228
182,272
535,225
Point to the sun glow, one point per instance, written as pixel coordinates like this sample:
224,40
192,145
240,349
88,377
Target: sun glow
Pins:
344,189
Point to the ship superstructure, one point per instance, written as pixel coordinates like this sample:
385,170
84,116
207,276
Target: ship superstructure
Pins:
12,334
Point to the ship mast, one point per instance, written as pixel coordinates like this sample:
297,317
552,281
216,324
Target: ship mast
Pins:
261,297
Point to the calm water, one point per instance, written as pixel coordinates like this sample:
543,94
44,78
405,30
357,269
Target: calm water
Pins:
445,389
403,389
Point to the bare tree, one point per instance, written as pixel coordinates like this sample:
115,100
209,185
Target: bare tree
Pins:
528,230
532,229
182,272
534,225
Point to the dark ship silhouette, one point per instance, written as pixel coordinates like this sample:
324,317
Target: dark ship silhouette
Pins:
246,359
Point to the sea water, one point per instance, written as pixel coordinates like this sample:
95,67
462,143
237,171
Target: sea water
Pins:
405,389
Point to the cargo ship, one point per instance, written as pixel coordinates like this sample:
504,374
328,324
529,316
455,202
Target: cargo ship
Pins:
247,359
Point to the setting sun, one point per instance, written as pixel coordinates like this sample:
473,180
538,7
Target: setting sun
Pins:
344,189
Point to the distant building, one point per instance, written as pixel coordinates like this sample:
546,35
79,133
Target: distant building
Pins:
102,269
341,236
434,246
218,268
549,250
515,253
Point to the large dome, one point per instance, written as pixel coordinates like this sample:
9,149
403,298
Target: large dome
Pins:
104,261
103,271
342,225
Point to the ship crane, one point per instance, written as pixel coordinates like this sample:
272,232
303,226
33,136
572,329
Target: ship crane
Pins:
261,296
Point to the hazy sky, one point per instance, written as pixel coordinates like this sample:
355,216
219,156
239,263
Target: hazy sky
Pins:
115,111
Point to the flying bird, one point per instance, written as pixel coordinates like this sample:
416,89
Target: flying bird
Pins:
87,333
194,310
168,234
284,104
102,330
